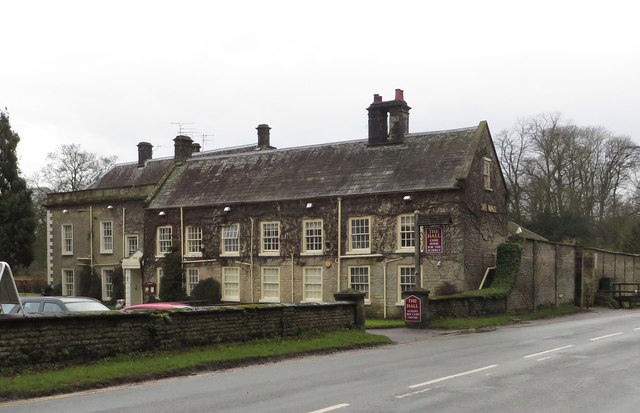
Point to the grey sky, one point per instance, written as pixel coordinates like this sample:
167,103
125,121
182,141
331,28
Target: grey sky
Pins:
108,75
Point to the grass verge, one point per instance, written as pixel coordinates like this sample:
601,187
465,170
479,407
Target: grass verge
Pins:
470,323
145,366
384,323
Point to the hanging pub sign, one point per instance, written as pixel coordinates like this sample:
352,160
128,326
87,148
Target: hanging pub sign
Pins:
434,242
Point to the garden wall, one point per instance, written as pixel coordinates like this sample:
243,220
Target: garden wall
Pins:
44,339
465,307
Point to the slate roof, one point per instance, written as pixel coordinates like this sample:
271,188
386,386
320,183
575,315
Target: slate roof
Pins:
129,174
424,162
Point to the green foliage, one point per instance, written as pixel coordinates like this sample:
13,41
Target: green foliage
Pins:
171,283
52,289
207,290
17,216
89,284
118,284
447,288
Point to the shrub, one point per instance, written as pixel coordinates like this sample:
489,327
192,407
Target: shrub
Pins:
207,290
90,284
447,288
171,283
118,284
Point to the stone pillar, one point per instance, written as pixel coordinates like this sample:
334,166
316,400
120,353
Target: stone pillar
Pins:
417,318
356,297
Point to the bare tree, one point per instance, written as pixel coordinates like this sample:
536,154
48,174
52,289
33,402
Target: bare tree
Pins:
70,168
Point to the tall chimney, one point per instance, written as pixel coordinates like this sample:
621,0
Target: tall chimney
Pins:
195,147
264,137
145,152
183,147
388,121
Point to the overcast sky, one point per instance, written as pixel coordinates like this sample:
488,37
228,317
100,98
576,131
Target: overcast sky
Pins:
109,74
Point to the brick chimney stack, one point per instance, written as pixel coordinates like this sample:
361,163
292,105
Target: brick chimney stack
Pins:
145,152
183,148
195,147
388,121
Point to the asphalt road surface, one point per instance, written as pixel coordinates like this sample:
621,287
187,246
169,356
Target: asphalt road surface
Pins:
586,363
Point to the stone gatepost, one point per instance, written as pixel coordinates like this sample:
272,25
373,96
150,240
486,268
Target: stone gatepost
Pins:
416,306
356,297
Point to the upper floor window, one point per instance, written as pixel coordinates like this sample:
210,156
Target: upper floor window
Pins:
360,235
312,237
132,244
230,239
106,237
67,239
163,240
486,173
270,235
194,240
406,234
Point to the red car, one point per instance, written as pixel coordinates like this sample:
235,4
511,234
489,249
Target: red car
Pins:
156,306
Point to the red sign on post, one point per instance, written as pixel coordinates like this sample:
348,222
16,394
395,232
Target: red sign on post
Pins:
412,309
434,243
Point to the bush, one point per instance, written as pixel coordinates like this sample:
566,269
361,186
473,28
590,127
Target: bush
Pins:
447,288
207,290
90,284
118,284
171,283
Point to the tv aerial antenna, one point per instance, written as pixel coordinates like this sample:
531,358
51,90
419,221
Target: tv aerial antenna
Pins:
182,130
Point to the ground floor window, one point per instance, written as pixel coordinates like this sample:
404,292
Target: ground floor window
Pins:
406,279
359,280
67,282
107,284
193,278
271,284
312,284
231,284
159,275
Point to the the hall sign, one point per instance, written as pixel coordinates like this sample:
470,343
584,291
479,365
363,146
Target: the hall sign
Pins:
434,242
412,309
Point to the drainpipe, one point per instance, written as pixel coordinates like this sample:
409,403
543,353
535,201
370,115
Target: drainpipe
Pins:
91,238
251,262
339,239
124,241
384,285
292,268
182,236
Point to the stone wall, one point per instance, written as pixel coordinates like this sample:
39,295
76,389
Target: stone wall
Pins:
33,340
465,307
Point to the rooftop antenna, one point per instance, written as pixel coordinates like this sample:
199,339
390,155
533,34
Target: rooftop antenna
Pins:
205,138
181,129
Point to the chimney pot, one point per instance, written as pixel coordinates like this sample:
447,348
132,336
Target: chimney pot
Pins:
182,147
195,147
399,94
377,98
264,136
145,152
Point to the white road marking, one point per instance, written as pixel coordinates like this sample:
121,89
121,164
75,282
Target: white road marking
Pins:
412,393
426,383
607,336
328,409
548,351
544,358
636,329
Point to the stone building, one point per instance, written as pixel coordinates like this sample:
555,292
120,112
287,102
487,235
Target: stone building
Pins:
298,224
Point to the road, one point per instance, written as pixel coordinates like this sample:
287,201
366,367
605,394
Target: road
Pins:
576,364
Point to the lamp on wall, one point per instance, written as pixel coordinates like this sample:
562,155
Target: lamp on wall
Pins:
227,209
162,213
309,205
407,198
110,207
65,211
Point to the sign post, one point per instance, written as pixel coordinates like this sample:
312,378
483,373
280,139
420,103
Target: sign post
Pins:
412,309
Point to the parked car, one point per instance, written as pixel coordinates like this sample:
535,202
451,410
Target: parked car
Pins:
47,304
156,306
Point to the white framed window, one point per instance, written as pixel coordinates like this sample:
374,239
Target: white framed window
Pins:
359,280
67,239
406,279
270,284
312,290
231,240
270,236
360,235
312,242
406,234
193,278
132,244
163,240
193,237
67,282
107,284
486,173
230,284
106,237
159,275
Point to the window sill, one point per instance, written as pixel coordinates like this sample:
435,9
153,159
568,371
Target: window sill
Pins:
358,252
269,254
488,189
400,303
106,252
311,254
310,301
405,251
193,255
67,254
269,300
367,301
231,300
230,254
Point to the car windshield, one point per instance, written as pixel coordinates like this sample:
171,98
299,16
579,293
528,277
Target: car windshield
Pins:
86,306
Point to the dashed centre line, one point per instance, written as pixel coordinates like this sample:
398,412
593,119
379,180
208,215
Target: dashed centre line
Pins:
330,408
607,336
548,351
426,383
